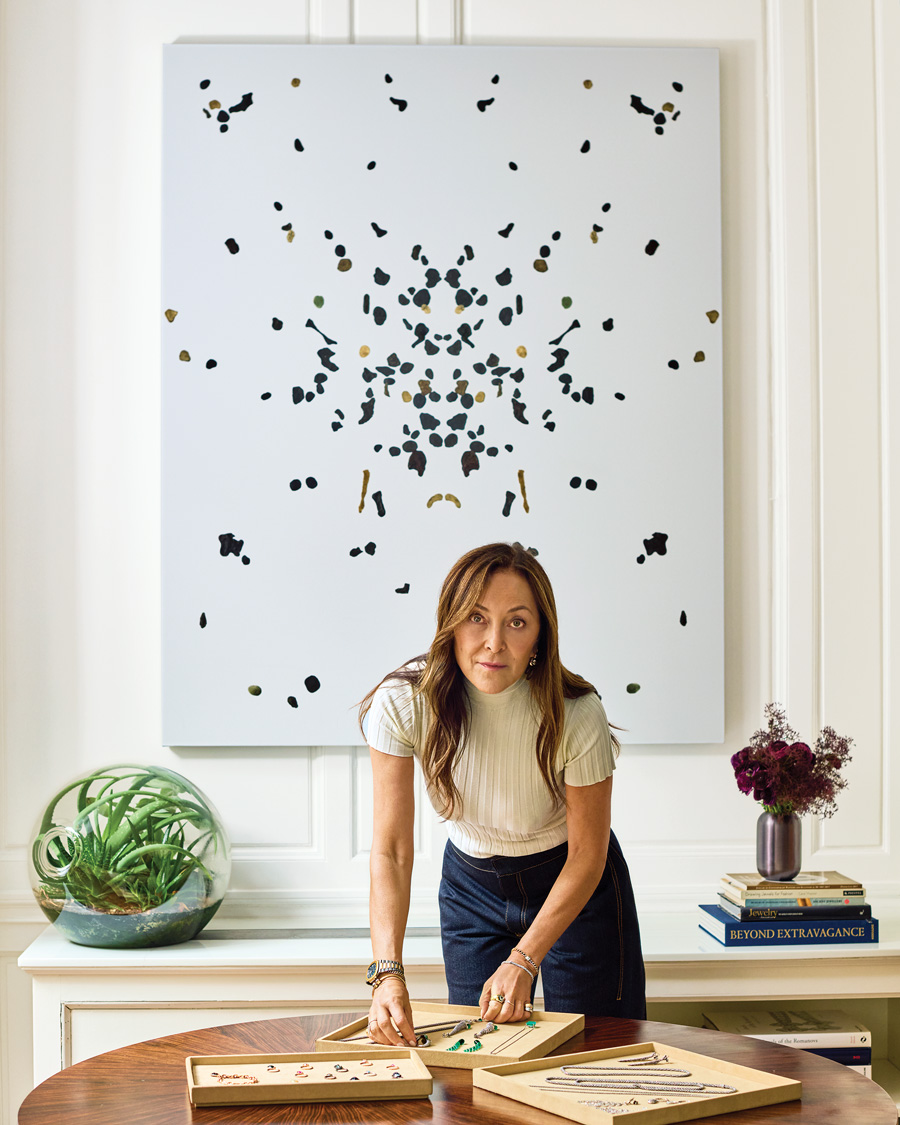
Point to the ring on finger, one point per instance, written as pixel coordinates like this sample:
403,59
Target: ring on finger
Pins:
499,998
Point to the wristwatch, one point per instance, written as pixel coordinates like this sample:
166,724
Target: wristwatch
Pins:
381,968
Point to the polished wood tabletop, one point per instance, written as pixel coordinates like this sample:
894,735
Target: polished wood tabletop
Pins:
145,1084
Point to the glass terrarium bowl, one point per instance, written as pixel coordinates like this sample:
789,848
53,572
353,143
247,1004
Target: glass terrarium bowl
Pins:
129,857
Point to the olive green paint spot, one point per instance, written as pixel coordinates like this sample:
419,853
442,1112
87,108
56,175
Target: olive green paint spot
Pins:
295,82
567,302
540,265
255,689
184,356
632,688
318,302
712,314
172,313
344,264
699,357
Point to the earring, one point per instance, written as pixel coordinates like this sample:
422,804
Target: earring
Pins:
533,661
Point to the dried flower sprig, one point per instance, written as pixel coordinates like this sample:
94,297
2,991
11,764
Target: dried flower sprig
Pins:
785,775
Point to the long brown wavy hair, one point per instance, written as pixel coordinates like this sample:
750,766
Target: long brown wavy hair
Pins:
438,678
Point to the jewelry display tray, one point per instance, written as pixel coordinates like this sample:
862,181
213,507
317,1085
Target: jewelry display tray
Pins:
281,1087
754,1087
552,1029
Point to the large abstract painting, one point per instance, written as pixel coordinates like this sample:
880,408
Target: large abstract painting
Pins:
414,300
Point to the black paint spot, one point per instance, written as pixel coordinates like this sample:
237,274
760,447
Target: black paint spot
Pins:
244,104
369,548
277,206
404,589
575,482
298,144
504,278
203,620
368,409
340,250
519,304
400,103
482,105
417,461
380,231
311,683
619,396
638,105
228,545
232,245
573,325
505,232
586,147
590,485
388,78
495,79
371,165
677,86
292,699
204,84
265,395
311,482
514,167
673,363
245,559
311,324
608,325
469,461
640,559
381,278
519,411
277,324
222,115
656,544
210,364
354,551
587,395
555,236
606,207
683,618
295,484
507,507
506,316
298,395
379,315
378,502
651,247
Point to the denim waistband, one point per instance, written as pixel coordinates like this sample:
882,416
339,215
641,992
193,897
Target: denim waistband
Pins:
509,864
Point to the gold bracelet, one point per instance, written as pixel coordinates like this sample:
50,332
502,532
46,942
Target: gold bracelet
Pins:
525,955
381,979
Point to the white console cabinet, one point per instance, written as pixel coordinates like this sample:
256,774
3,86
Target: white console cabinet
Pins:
91,1000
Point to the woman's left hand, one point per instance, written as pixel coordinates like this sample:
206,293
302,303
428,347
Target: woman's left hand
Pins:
505,995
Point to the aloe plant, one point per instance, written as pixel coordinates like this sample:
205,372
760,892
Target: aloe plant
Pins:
125,850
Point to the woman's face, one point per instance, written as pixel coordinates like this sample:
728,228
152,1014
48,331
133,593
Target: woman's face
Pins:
494,646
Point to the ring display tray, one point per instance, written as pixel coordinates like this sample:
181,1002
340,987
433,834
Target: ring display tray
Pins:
526,1082
350,1084
551,1029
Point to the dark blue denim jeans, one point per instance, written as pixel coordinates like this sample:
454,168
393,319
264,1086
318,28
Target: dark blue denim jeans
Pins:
487,904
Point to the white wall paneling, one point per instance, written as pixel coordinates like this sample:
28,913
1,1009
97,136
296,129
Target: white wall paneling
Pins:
811,250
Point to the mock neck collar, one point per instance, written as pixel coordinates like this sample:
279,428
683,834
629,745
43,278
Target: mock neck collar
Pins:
498,698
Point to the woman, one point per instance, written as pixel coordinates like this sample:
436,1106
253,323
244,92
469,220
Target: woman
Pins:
518,758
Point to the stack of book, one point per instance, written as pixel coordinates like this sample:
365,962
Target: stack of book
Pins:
833,1034
815,908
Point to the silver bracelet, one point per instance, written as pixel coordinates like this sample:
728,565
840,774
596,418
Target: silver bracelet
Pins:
527,958
522,967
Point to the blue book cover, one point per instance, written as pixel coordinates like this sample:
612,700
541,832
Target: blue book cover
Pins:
792,910
848,1056
775,931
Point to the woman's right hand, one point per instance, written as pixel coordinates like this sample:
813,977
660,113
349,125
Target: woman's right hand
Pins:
390,1016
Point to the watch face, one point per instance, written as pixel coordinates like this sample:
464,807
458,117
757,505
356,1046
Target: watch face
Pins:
372,971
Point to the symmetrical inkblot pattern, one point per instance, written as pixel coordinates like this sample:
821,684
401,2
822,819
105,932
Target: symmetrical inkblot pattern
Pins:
421,299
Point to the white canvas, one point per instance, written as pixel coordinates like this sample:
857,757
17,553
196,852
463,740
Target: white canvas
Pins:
536,233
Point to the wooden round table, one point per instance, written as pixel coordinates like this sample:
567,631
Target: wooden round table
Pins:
145,1084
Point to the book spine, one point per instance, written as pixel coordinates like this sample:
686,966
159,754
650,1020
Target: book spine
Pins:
758,913
792,888
793,894
818,1040
758,903
841,932
848,1056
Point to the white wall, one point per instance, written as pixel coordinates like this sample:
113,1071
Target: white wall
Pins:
811,163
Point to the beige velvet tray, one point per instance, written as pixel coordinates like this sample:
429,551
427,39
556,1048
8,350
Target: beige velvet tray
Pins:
753,1087
281,1085
551,1029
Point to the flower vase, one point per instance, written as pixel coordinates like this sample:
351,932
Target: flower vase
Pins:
778,839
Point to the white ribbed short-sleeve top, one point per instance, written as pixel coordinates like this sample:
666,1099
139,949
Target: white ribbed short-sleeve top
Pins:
506,808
